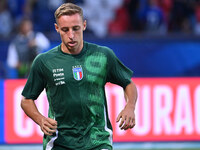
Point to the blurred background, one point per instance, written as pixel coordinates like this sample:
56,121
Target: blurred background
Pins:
154,38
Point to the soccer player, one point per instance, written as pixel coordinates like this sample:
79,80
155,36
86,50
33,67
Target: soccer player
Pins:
74,75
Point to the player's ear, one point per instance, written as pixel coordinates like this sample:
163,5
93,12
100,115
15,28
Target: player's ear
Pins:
84,25
56,27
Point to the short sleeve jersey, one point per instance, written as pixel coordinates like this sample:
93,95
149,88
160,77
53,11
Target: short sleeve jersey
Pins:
75,87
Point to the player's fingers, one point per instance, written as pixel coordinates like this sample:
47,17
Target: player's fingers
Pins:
54,126
47,133
125,127
129,124
44,131
47,130
52,121
119,117
123,118
128,120
132,123
126,124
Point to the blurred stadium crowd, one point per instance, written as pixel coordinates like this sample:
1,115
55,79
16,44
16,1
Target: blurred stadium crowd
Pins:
107,17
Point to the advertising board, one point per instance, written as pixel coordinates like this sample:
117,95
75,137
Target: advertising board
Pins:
167,110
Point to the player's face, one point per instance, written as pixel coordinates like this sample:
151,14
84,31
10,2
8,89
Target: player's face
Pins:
71,30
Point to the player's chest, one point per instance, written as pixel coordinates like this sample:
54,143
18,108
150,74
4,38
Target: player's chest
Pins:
76,71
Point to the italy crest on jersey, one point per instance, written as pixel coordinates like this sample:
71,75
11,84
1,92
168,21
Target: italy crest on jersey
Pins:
77,72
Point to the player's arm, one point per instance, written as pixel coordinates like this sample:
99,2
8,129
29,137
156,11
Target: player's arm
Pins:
47,125
127,115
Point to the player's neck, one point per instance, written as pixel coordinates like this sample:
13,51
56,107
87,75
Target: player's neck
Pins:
72,51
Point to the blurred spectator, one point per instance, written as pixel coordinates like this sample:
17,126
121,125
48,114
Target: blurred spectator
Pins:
24,48
136,10
5,19
99,13
181,16
121,22
166,6
41,13
108,16
16,8
154,18
197,18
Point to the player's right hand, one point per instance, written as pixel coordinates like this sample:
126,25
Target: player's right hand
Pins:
48,126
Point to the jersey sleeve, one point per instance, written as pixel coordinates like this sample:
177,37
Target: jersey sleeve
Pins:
118,73
36,82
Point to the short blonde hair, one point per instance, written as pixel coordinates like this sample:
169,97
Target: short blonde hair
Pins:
68,9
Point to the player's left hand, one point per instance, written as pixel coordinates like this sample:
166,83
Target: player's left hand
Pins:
127,117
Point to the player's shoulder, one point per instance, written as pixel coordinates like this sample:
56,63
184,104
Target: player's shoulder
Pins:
50,53
97,47
43,57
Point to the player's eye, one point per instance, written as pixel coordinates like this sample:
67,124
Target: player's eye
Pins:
65,29
76,28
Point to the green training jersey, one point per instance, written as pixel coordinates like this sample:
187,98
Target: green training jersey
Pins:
76,94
